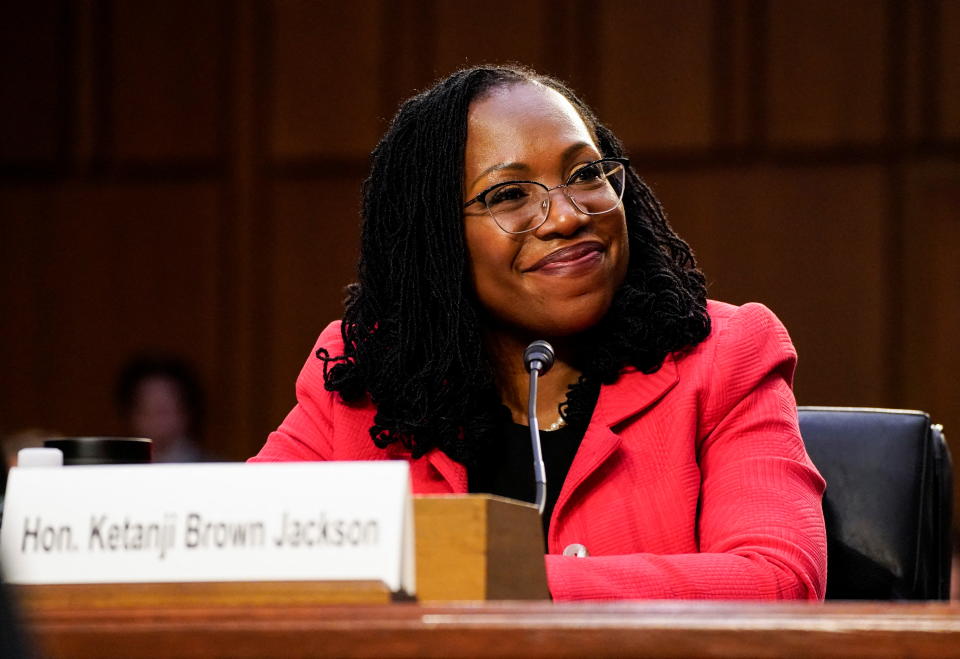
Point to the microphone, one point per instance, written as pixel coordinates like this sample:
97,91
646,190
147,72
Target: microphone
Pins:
537,358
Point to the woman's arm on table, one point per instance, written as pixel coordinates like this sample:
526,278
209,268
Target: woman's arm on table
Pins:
760,523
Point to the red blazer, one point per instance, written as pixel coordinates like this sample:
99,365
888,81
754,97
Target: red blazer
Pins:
691,482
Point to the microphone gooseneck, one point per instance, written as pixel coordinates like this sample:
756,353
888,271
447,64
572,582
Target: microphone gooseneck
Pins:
537,358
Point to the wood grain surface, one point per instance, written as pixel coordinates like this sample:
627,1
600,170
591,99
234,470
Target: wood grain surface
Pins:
506,629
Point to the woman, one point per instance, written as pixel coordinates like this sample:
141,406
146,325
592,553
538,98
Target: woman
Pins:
498,211
160,397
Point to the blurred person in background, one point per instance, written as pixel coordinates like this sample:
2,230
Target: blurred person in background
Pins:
159,397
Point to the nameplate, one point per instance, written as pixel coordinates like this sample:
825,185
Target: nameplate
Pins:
336,521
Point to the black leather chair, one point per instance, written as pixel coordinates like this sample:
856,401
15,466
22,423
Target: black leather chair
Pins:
888,504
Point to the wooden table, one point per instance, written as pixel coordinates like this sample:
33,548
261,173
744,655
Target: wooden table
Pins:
503,629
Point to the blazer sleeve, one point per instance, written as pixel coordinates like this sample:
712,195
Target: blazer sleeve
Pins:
760,523
307,431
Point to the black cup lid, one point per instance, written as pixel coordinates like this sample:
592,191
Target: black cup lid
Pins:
102,450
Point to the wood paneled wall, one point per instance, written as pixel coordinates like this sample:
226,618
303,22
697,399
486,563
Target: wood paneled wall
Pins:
185,175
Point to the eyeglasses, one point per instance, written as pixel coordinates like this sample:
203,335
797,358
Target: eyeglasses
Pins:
521,206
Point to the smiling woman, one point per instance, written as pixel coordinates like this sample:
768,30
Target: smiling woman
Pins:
557,274
499,210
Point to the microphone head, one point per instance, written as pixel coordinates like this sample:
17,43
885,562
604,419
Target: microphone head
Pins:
539,356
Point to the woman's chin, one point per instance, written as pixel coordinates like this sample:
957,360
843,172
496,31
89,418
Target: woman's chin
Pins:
569,320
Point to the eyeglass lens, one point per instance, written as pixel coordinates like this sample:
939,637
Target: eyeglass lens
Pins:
594,189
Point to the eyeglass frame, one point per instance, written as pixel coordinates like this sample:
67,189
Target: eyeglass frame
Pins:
564,186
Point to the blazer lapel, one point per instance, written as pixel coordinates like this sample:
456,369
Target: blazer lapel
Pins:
630,395
634,392
454,473
599,443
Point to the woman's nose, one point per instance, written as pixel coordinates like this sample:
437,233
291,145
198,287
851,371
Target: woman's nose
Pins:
563,217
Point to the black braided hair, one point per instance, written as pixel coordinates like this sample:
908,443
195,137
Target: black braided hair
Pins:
412,326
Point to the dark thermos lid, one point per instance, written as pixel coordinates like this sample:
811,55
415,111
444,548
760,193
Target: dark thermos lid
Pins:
102,450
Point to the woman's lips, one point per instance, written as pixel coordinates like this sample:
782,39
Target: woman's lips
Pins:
569,260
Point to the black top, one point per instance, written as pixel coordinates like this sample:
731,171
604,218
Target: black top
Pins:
506,469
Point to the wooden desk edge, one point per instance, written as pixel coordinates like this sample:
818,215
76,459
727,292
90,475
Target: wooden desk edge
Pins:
499,629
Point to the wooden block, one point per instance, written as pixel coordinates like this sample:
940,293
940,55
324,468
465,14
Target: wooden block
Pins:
478,547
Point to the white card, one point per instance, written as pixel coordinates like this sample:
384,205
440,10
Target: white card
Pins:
313,521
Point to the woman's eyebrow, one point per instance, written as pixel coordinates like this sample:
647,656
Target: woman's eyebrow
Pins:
499,167
577,146
519,166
